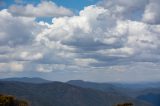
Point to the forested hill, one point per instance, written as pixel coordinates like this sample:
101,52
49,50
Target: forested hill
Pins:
62,94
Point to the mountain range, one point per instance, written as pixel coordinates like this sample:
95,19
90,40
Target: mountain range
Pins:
27,80
148,92
41,92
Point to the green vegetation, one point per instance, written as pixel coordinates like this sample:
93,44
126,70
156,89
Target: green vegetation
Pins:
125,104
62,94
7,100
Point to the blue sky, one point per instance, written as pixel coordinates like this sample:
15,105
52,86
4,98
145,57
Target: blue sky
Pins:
72,4
95,40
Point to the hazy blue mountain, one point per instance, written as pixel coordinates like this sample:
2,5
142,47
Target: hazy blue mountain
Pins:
151,98
141,85
106,87
62,94
27,80
151,95
148,92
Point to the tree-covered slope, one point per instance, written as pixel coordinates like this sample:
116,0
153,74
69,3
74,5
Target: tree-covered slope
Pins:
8,100
62,94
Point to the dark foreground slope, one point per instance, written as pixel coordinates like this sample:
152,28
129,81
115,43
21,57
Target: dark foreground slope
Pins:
8,100
62,94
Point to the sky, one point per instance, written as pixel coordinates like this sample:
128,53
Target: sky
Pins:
93,40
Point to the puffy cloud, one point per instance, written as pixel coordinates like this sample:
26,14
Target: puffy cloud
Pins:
146,10
11,67
29,56
86,31
44,9
98,41
16,30
44,68
125,9
151,14
98,35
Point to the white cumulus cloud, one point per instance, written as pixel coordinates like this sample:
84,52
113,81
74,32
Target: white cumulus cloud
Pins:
44,9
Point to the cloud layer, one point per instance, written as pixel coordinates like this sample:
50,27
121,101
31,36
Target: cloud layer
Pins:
44,9
151,14
113,38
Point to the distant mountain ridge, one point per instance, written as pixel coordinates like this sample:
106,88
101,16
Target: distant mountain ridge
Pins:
27,80
107,87
149,92
142,91
63,94
151,97
140,85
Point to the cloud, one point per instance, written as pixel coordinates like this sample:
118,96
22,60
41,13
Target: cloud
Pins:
11,67
29,56
151,14
86,31
125,9
16,30
100,40
145,10
43,9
